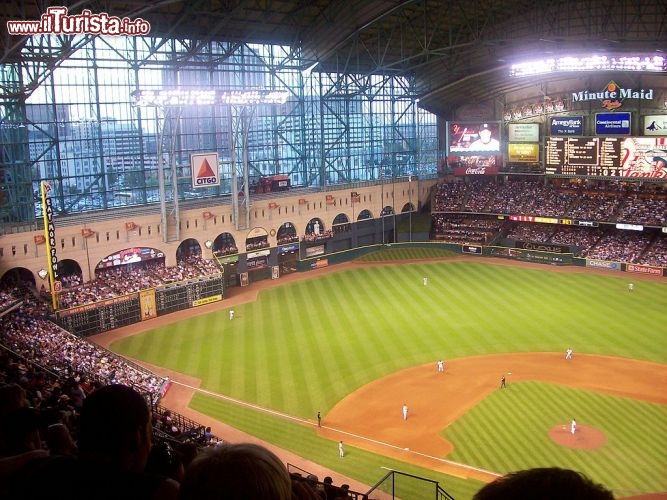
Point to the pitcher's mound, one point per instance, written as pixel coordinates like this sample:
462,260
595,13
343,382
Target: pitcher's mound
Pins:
586,437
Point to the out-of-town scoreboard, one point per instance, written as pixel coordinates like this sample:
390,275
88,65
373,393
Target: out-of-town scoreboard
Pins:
108,314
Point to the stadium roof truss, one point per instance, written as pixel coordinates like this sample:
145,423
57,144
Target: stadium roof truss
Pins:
457,51
443,53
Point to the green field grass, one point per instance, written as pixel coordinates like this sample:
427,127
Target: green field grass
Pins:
631,454
303,347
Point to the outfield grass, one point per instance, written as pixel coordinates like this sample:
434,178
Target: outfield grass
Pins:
302,347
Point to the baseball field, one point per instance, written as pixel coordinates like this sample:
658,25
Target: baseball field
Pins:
357,341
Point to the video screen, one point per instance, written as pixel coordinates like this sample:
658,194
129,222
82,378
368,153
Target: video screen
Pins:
468,138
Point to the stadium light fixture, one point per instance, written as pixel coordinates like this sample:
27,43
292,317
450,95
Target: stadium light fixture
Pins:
652,63
197,97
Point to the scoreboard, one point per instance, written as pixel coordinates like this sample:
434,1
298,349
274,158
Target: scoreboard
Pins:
101,316
638,157
594,156
173,297
104,315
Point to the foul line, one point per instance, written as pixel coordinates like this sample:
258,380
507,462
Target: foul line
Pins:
346,433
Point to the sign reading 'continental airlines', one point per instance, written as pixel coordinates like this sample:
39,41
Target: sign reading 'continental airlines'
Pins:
612,95
612,123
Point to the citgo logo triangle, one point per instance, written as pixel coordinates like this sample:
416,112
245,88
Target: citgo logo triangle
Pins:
205,170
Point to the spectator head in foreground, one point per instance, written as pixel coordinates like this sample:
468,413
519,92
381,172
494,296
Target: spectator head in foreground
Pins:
114,442
232,471
549,483
115,427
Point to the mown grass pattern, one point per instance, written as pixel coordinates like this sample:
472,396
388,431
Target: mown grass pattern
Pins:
302,439
302,347
517,421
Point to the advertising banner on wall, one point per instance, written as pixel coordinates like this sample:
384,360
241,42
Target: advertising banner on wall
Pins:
635,268
655,125
523,132
316,250
523,153
148,305
50,237
204,170
612,123
475,171
288,248
567,125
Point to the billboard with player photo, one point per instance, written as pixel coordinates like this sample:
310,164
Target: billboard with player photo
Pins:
473,138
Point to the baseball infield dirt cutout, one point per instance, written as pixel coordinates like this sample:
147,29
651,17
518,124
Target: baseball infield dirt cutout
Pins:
370,418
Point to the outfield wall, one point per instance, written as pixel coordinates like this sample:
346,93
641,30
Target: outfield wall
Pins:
534,256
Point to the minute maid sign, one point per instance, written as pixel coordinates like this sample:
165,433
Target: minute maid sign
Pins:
612,95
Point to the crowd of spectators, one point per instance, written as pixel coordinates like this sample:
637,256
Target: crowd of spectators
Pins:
70,280
648,210
323,236
620,246
596,242
582,238
7,299
605,203
29,333
257,243
98,445
598,206
655,255
536,232
42,428
228,249
309,487
129,278
600,202
532,197
467,230
283,239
